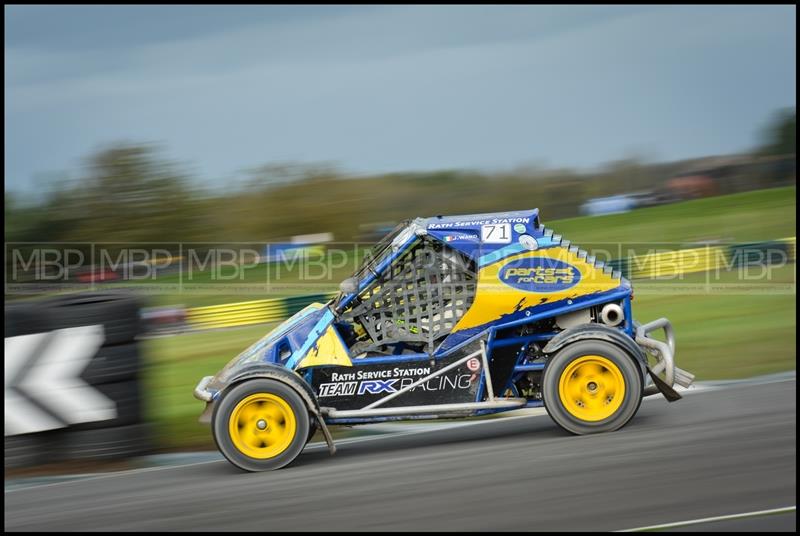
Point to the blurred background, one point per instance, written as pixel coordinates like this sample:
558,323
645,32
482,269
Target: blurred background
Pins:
228,165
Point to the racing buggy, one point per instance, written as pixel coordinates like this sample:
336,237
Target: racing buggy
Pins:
447,317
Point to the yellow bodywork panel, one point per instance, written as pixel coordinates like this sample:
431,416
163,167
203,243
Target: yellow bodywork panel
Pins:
328,350
494,298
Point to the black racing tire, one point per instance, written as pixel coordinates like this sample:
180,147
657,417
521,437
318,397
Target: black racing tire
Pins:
312,427
24,318
23,450
128,399
294,408
112,364
104,443
117,312
607,401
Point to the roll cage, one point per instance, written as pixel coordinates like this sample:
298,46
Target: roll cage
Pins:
412,291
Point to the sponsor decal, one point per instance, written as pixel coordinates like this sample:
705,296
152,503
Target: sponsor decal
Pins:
520,228
373,382
337,389
496,233
540,274
396,372
474,364
476,223
460,236
375,387
528,242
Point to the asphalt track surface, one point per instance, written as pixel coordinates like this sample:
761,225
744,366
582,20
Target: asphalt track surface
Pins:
714,453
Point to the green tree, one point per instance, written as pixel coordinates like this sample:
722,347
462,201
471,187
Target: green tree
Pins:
779,137
129,194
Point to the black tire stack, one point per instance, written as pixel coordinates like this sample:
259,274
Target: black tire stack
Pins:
114,371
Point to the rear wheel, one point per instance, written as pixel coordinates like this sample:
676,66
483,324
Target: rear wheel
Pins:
312,428
592,386
260,425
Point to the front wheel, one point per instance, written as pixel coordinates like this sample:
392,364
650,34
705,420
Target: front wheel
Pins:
592,386
260,425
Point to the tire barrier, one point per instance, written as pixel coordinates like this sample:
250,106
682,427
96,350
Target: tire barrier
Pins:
72,379
105,443
644,266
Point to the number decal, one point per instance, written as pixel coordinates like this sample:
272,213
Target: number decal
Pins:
499,233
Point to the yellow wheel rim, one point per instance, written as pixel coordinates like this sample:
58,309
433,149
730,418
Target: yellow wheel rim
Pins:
591,388
262,425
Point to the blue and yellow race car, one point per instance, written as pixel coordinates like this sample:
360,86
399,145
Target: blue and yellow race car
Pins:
453,316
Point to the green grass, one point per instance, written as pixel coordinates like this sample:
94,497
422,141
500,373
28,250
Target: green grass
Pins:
751,216
728,333
744,217
722,333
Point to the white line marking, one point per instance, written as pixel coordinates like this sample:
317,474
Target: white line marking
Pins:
712,519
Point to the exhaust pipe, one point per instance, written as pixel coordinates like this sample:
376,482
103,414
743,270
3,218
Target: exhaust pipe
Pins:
612,314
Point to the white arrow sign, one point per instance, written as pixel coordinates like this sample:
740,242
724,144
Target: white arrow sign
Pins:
52,381
22,416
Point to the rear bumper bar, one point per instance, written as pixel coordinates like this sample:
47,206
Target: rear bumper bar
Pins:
664,352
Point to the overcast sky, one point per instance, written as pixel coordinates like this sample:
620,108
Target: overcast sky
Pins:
390,88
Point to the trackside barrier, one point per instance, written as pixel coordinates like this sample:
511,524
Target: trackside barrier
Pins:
72,386
237,314
678,262
773,252
249,312
791,247
644,266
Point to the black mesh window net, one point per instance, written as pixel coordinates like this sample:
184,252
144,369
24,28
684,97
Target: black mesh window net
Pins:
418,300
